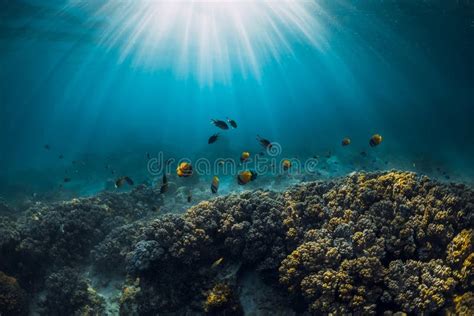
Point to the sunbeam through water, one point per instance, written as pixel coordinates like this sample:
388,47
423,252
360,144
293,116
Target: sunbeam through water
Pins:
210,40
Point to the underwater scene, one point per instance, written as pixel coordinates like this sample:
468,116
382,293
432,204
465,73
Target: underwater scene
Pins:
236,157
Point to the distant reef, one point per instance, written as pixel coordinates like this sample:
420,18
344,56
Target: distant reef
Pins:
368,244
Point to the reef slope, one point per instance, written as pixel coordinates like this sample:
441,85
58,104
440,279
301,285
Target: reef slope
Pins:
364,244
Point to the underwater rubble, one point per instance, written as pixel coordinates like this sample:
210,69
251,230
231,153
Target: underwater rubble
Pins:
367,243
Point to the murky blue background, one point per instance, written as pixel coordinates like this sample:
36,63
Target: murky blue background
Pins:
403,69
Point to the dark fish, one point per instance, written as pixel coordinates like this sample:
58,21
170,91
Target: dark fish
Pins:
213,138
148,156
363,153
375,140
190,197
346,141
232,123
47,147
220,124
164,184
264,142
61,156
215,185
122,180
67,180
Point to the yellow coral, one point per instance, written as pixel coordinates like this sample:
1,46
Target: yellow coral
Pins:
218,297
460,247
464,304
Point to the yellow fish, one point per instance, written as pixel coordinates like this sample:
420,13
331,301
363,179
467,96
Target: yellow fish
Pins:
245,155
286,164
246,176
375,140
217,262
215,184
184,170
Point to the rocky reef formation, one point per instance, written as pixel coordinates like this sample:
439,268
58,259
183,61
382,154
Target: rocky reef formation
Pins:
363,244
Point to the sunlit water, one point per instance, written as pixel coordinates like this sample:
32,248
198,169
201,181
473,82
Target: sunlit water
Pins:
103,84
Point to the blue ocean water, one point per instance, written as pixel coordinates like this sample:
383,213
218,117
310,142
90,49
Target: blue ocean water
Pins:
103,84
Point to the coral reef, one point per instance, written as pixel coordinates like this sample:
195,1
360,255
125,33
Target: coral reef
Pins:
221,300
390,242
12,297
68,293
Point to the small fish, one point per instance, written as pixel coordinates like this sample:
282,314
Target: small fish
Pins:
213,138
244,156
190,197
261,153
155,208
184,170
265,143
148,156
363,154
122,180
217,263
346,141
246,176
47,147
221,162
215,185
61,156
232,123
67,180
375,140
220,124
74,162
164,185
286,164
